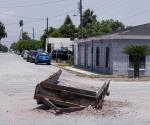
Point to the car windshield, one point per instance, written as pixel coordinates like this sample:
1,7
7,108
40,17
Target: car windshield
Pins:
43,54
35,53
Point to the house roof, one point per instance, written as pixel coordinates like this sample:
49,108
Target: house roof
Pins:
136,32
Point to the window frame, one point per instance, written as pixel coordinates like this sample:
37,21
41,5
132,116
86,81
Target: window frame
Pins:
107,57
97,56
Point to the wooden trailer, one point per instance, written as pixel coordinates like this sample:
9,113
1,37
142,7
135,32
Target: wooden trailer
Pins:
67,99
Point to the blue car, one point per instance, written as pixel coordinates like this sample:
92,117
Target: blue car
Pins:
43,58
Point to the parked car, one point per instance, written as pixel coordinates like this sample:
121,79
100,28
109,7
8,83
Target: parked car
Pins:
33,56
61,54
18,52
43,58
22,53
29,56
25,54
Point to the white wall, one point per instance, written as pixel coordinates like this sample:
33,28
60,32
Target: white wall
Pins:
118,61
121,60
58,43
76,54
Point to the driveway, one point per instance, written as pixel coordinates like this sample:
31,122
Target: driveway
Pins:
128,103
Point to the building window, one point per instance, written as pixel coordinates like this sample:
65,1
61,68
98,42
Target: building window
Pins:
142,62
89,56
97,56
107,57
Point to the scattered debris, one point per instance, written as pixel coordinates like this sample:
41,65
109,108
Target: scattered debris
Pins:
68,99
110,108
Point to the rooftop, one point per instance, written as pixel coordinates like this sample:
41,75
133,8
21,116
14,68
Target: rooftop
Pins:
136,32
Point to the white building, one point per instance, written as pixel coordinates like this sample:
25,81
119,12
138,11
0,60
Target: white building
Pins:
58,43
104,54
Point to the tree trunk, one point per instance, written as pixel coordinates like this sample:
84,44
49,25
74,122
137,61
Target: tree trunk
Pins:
136,68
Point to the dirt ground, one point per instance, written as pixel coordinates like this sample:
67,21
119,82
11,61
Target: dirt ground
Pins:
128,103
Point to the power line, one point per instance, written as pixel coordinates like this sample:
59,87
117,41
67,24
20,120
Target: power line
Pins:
31,5
128,17
52,17
138,13
28,22
18,16
102,6
65,13
42,19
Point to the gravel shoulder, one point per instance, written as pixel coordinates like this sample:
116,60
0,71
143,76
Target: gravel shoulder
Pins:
128,103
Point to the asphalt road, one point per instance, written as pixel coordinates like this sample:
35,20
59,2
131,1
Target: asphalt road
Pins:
17,107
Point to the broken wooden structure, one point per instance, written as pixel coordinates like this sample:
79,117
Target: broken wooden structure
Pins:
67,99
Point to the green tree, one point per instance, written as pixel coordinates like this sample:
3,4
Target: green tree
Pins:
55,33
111,25
88,17
3,48
25,36
91,27
67,29
52,32
88,20
3,33
13,46
137,52
44,36
43,39
28,45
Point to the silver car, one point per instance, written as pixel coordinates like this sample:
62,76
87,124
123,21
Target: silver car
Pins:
25,54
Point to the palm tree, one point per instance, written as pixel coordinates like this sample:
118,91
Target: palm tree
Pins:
21,23
137,52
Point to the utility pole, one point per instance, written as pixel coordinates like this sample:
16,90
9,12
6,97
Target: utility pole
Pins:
47,27
22,32
81,18
21,25
20,35
33,34
46,35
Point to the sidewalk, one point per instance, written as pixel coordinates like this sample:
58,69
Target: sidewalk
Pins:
80,71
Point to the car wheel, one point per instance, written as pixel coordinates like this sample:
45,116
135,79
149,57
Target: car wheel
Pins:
48,63
36,62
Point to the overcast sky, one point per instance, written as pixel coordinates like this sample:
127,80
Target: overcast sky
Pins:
34,13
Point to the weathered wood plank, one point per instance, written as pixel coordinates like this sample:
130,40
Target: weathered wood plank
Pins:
66,99
70,90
